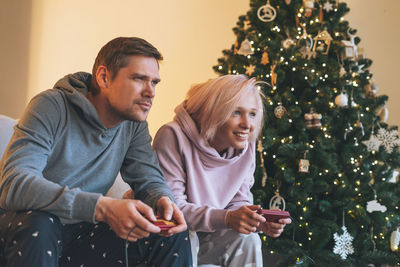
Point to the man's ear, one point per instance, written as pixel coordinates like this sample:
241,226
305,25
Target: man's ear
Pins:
102,76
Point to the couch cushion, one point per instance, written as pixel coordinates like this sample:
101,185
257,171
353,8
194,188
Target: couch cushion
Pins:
6,130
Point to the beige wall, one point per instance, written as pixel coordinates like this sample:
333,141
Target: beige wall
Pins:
47,39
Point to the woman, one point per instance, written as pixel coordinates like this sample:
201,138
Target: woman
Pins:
207,154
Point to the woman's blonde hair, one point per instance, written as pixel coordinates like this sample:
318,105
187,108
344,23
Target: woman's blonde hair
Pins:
210,104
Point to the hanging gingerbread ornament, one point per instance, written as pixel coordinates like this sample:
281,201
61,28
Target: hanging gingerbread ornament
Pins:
246,24
308,7
279,111
304,164
274,75
265,57
250,69
245,48
287,2
266,13
322,42
235,47
260,149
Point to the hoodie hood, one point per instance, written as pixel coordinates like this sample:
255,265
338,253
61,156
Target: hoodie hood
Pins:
209,155
75,87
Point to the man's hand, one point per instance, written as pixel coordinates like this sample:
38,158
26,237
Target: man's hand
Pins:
168,210
274,229
126,216
244,220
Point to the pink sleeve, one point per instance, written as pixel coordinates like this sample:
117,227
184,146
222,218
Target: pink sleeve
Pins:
168,144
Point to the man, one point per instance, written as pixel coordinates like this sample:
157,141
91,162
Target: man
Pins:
64,156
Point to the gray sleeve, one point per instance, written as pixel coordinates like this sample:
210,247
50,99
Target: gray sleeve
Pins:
141,169
22,184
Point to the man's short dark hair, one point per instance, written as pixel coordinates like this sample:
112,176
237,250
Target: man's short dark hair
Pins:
116,53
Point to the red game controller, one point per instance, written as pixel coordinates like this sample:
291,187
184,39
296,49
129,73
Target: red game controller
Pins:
273,215
164,224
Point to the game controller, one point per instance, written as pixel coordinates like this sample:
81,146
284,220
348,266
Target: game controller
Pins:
273,215
164,224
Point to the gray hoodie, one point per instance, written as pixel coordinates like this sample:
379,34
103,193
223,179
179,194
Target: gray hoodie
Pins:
61,158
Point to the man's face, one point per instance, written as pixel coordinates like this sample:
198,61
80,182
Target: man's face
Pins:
130,94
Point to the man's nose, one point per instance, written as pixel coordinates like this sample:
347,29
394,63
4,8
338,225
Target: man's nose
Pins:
149,90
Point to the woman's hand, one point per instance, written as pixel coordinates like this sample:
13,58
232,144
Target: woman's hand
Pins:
245,220
274,229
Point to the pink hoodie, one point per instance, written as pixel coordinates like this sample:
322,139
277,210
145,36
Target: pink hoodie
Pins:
205,184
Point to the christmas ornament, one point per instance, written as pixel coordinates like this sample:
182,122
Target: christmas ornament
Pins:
279,111
347,131
250,69
384,114
359,124
306,51
277,202
308,7
274,75
342,100
395,240
308,118
260,149
322,42
264,58
372,143
343,244
246,24
304,164
313,120
266,13
316,122
342,71
328,7
388,139
350,47
287,2
245,48
287,43
371,89
374,205
394,177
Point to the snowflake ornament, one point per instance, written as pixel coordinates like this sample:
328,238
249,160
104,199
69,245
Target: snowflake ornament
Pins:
250,69
328,7
343,244
389,139
373,143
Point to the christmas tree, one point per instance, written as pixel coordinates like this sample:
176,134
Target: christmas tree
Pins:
326,154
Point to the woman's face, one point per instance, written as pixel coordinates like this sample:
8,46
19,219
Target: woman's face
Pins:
236,131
